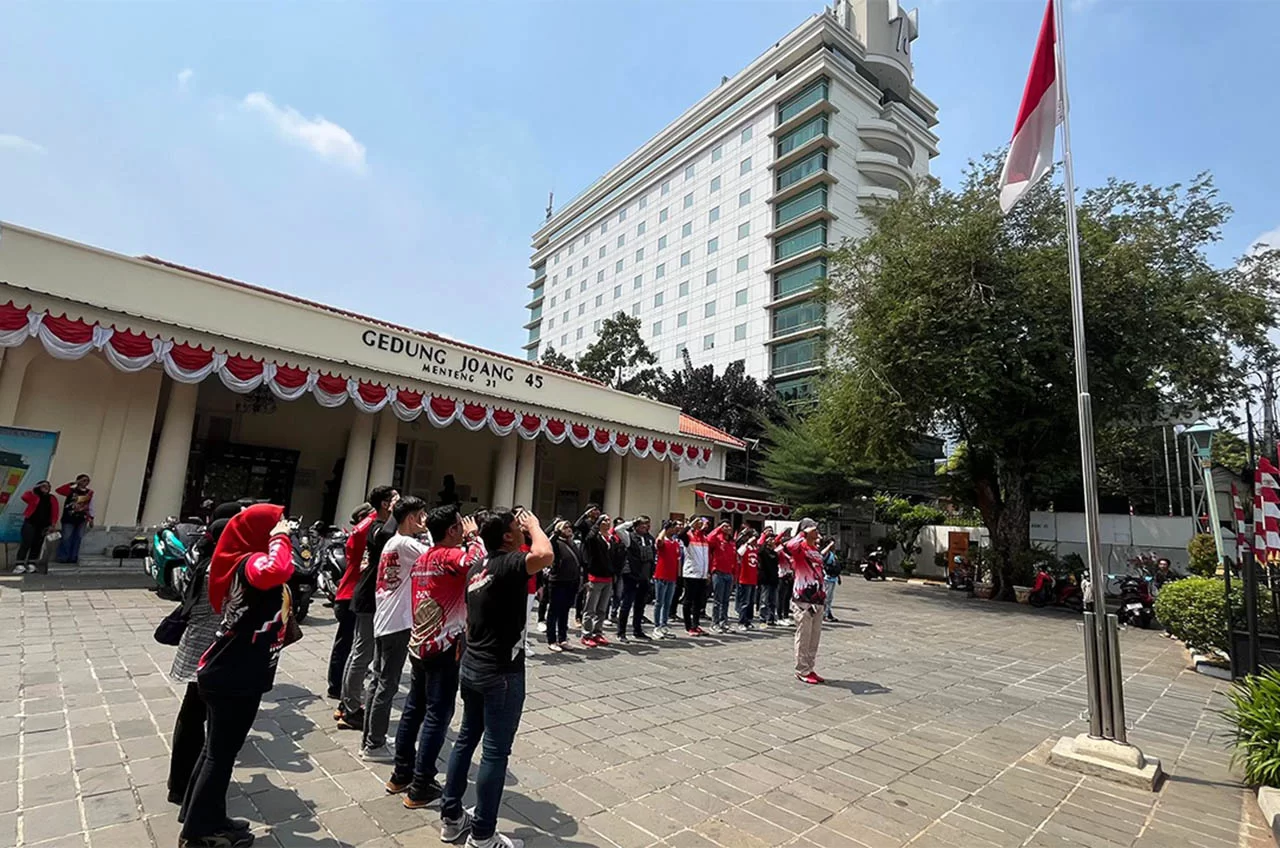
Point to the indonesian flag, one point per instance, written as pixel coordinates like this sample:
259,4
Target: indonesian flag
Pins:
1031,151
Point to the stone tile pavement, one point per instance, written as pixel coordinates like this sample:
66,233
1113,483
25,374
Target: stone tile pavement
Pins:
933,730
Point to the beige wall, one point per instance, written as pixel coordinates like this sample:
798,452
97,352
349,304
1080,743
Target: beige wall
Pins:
642,487
104,417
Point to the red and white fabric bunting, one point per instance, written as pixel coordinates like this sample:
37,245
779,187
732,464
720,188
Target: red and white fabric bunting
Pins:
132,350
745,506
1266,513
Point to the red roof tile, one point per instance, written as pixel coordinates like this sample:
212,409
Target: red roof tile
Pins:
691,426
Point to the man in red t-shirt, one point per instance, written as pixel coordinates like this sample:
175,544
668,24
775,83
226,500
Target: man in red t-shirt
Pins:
666,574
439,586
724,562
748,569
363,518
808,598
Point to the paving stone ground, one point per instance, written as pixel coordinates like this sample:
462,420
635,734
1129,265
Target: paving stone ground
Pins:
933,730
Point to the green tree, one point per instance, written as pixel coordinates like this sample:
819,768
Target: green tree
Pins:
1230,451
553,358
799,467
1202,555
906,520
955,320
620,358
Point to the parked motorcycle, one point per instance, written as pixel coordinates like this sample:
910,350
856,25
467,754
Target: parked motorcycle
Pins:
1137,607
873,566
960,577
302,584
1048,590
330,545
170,558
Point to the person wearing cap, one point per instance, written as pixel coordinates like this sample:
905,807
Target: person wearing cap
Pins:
808,598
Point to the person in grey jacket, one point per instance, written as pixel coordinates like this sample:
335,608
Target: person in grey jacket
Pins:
637,573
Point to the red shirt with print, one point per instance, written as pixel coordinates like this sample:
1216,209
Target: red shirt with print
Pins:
724,556
668,567
748,565
355,549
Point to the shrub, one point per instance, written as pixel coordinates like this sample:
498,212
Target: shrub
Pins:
1194,611
908,566
1203,555
1255,712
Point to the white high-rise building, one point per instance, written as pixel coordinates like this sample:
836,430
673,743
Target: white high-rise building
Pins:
715,232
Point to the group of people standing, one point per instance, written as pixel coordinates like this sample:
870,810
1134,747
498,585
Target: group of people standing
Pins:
69,507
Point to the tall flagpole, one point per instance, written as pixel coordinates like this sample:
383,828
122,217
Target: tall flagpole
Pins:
1103,714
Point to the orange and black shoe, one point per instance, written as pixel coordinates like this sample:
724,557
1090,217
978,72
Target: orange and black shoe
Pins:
351,721
398,783
416,799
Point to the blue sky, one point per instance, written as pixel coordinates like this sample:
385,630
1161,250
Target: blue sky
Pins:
395,158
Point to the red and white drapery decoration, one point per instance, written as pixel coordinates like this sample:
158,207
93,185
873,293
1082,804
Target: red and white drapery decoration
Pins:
728,503
1242,527
1266,513
130,350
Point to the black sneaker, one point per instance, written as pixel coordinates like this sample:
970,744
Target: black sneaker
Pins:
226,839
416,799
234,825
643,637
622,637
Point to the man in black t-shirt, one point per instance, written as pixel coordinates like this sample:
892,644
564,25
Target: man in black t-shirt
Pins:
351,710
492,674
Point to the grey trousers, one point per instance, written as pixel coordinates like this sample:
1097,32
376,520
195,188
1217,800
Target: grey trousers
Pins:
596,608
353,676
389,655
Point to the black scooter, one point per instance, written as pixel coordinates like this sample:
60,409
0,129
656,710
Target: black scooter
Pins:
330,545
302,585
873,566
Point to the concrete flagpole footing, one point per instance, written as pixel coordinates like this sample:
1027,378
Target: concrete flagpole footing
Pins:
1107,759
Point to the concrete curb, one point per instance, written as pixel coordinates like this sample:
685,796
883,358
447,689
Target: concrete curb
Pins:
1269,803
1210,667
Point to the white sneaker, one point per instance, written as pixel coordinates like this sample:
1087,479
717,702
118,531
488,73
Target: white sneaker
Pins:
453,830
742,628
495,841
555,649
542,627
381,754
20,568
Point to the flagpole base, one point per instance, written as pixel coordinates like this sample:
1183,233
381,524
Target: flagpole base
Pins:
1108,759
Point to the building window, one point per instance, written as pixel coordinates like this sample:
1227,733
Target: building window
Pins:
713,215
662,216
807,166
717,152
794,356
564,318
660,271
599,300
683,289
794,391
604,227
640,255
744,167
567,292
553,301
712,276
686,230
572,245
579,335
617,292
582,286
637,283
744,198
600,276
709,309
601,252
564,339
617,267
622,215
622,239
596,326
640,228
680,349
815,93
688,201
666,187
709,341
801,204
657,328
800,278
582,309
740,297
713,245
801,240
684,259
744,262
715,184
797,317
682,319
802,134
568,272
739,332
662,242
644,201
746,134
659,298
551,323
688,173
744,230
557,260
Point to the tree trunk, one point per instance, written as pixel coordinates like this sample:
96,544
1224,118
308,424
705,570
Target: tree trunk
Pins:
1011,539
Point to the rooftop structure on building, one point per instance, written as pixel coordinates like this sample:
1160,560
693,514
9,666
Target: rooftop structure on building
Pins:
716,231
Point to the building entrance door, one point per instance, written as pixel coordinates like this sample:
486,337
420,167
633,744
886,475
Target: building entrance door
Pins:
224,471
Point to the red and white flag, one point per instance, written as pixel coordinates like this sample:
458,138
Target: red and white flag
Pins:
1031,151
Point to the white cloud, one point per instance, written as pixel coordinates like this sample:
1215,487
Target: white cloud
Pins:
19,144
184,78
1271,238
319,135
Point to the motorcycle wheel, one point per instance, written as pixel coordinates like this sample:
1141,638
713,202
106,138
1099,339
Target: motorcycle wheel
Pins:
303,609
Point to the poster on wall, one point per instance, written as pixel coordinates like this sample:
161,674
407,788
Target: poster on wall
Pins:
25,456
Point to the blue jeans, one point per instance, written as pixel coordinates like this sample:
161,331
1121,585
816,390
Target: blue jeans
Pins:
69,546
664,592
721,588
433,687
768,603
491,708
832,582
746,603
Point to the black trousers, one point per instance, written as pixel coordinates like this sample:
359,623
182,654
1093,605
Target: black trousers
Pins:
188,742
695,602
635,592
204,811
32,541
342,641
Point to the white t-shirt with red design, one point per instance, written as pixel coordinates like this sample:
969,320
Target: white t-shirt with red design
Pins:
807,564
393,612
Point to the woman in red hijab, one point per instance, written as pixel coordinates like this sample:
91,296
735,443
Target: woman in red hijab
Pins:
251,566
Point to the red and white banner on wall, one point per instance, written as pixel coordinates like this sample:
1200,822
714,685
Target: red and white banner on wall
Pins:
131,350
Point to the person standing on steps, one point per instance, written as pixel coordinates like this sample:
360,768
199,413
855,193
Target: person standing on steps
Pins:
492,675
39,514
392,623
809,598
362,519
77,517
363,602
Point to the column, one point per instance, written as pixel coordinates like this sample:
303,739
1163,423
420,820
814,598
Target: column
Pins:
504,474
12,373
383,468
355,468
664,503
526,471
613,486
169,471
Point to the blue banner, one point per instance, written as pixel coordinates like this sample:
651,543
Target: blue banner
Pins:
25,456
